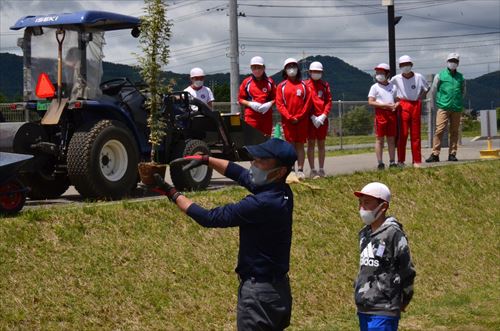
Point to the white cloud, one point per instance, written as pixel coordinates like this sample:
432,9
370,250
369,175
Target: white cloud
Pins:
201,37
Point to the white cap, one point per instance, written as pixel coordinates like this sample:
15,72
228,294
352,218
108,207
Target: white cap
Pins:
316,66
383,66
289,60
453,56
376,190
257,60
405,59
196,72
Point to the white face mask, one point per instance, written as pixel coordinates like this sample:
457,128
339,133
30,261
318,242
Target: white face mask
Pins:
452,65
369,216
406,69
198,83
291,72
316,76
380,78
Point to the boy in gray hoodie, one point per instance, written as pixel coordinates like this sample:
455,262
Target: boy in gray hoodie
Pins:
384,286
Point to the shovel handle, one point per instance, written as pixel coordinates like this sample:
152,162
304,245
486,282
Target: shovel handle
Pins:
60,40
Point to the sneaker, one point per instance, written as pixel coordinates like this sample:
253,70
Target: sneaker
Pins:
432,158
417,165
300,175
452,158
401,164
381,166
321,173
314,174
393,165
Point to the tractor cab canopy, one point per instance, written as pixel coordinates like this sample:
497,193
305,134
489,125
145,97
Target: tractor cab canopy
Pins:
82,38
86,20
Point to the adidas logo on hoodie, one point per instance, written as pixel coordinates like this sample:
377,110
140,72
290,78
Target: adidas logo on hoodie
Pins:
367,258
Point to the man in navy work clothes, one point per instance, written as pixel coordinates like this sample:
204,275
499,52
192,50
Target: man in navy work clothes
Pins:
264,219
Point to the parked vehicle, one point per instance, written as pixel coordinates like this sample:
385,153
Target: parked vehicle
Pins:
92,135
12,190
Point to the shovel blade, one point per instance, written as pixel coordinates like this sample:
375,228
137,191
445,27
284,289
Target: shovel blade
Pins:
54,112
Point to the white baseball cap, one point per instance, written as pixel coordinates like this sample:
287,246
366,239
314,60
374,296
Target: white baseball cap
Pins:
316,66
376,190
405,59
196,72
257,60
289,60
453,56
383,66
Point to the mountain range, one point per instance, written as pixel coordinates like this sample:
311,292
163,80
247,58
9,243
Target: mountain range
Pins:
347,82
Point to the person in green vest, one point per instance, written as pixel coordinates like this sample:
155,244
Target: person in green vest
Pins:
447,91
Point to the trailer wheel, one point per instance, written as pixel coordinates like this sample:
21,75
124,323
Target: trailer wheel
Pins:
44,187
12,197
102,160
195,179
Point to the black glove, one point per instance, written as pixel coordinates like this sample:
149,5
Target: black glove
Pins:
190,161
165,188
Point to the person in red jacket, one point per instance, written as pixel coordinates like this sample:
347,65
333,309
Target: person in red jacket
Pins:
321,104
257,93
293,100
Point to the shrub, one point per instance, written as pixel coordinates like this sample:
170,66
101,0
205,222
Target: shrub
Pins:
358,121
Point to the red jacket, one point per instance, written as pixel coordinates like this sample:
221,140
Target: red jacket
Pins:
293,100
261,91
321,97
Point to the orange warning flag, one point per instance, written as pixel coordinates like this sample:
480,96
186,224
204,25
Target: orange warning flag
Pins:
44,87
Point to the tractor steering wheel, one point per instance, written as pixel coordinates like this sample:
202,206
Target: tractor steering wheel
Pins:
113,86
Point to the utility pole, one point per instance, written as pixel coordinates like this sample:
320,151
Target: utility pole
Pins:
392,34
234,55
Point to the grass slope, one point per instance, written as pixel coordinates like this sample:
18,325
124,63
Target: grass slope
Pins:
144,265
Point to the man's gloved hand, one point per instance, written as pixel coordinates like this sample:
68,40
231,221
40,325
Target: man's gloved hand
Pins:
165,188
190,161
321,119
265,107
254,105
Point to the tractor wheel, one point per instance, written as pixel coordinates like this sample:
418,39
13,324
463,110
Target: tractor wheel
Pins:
102,160
12,197
195,179
44,187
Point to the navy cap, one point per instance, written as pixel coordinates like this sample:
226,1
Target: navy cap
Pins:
274,148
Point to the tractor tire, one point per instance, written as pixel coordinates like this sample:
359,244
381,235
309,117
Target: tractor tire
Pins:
196,179
44,187
102,160
12,197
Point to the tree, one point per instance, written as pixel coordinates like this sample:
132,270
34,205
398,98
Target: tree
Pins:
3,99
153,40
222,93
357,121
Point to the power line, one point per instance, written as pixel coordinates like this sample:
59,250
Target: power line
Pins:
351,15
356,41
451,22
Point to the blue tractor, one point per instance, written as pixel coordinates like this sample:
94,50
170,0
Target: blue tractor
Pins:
92,134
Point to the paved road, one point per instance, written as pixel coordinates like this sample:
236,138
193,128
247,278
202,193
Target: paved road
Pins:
336,165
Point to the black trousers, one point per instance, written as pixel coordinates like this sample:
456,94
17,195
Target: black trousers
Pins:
264,306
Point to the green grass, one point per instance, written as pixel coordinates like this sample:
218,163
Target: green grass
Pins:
349,140
349,151
145,266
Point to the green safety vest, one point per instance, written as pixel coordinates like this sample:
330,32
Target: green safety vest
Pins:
449,93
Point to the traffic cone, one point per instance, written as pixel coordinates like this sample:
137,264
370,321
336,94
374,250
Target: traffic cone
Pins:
277,131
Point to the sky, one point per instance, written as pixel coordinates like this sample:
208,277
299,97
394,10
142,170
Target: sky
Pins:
352,30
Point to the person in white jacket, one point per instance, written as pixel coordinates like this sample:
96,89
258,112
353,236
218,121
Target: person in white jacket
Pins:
197,89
